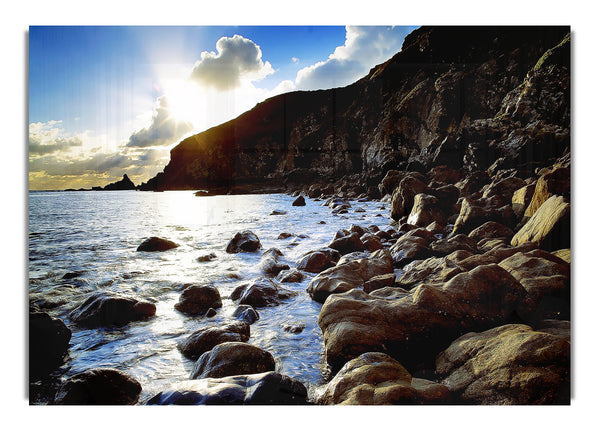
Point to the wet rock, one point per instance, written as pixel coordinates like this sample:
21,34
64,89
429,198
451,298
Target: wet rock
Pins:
290,276
278,212
414,328
432,270
48,343
156,244
99,386
110,309
403,197
232,359
510,364
443,247
261,292
371,242
197,299
269,262
256,389
207,257
390,182
550,226
294,328
491,229
245,241
284,235
346,276
319,260
347,244
426,210
204,339
377,379
246,313
410,246
379,281
299,202
72,274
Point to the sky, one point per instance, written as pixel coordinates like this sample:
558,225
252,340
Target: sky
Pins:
110,100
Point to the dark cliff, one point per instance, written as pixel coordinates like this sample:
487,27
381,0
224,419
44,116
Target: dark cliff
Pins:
471,97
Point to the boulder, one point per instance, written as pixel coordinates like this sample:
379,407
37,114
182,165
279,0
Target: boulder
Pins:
410,246
403,197
110,309
299,202
347,244
232,359
550,226
556,182
473,213
390,182
432,270
270,264
245,241
99,386
521,199
425,210
445,246
414,328
261,292
371,242
491,229
204,339
197,299
156,244
246,313
510,364
379,281
319,260
48,343
290,276
256,389
206,257
350,275
564,254
504,188
375,378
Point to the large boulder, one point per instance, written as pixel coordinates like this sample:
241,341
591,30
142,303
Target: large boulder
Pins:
376,379
319,260
510,364
504,188
197,299
403,197
550,226
299,202
48,343
204,339
157,244
245,241
491,229
432,270
256,389
261,292
414,328
445,246
232,359
521,199
100,386
475,212
349,275
556,182
425,210
270,264
110,309
411,246
347,244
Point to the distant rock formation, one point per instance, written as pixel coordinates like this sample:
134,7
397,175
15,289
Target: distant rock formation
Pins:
124,184
470,98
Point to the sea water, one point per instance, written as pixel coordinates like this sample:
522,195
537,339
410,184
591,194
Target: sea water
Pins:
83,242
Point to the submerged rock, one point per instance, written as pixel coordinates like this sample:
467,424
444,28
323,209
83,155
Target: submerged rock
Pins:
375,379
269,262
204,339
299,202
157,244
232,359
256,389
510,364
206,257
245,241
246,313
197,299
48,343
100,386
261,292
110,309
318,260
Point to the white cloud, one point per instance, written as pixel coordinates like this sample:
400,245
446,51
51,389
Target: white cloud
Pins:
48,138
163,129
364,48
237,59
295,60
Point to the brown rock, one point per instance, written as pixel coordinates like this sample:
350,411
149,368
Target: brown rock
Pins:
425,210
232,359
550,226
197,299
557,182
319,260
205,339
521,199
261,292
99,386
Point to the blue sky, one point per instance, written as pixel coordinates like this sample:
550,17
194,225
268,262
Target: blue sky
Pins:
109,100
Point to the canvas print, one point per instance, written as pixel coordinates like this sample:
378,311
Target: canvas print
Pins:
303,215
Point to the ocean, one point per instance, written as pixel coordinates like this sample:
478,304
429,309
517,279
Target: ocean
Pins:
83,242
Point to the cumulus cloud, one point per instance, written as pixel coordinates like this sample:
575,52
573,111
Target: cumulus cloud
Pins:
237,59
364,48
48,138
163,130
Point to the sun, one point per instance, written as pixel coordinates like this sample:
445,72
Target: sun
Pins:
185,102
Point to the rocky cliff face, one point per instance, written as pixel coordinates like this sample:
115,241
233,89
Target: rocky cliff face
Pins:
476,98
